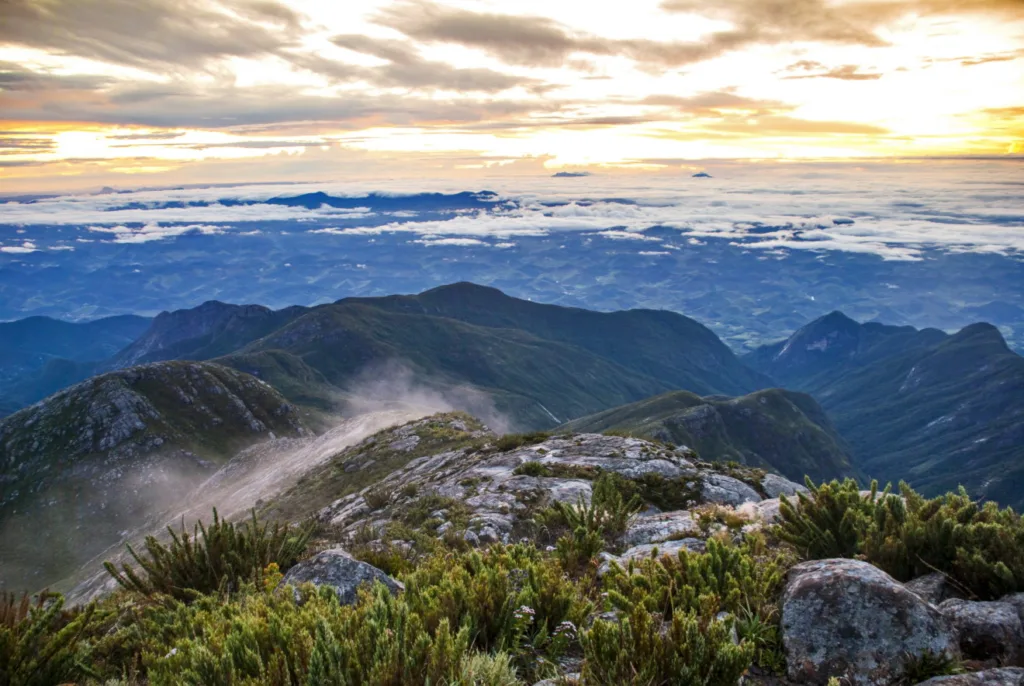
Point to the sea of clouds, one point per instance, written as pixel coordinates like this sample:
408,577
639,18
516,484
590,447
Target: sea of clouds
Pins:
893,210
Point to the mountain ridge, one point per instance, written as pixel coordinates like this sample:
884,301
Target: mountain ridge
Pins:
936,409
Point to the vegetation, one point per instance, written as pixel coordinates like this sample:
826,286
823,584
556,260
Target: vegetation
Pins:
979,547
220,557
40,643
208,608
514,441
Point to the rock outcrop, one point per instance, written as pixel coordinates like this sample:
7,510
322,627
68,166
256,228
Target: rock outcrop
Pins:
848,619
340,571
987,630
1009,676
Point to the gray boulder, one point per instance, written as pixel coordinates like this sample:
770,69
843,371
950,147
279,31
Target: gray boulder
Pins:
987,630
660,526
725,490
1017,600
774,485
932,587
1009,676
342,572
849,619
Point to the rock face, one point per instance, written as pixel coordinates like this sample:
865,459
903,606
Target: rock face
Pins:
848,619
1009,676
335,568
987,630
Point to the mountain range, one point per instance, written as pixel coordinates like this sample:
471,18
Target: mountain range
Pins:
172,398
936,409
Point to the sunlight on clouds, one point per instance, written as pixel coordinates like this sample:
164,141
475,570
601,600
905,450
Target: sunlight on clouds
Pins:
569,82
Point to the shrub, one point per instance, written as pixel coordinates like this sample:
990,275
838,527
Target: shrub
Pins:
641,649
40,643
378,497
744,581
481,669
829,521
979,547
222,557
600,524
514,441
532,468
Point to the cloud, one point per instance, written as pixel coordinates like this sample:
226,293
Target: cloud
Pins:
194,105
817,70
407,69
895,211
716,102
166,35
155,231
539,41
855,22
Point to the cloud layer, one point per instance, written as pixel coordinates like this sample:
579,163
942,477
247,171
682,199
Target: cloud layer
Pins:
894,211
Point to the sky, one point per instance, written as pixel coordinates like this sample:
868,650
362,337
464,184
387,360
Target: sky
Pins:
137,93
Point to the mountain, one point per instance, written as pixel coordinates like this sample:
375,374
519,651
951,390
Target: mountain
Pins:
935,409
75,468
665,345
774,429
541,365
40,355
212,329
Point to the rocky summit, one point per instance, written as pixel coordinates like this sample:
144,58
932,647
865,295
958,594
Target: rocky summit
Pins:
436,551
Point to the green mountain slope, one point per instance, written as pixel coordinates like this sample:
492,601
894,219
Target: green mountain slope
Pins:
934,409
775,429
537,382
40,355
540,364
77,467
665,345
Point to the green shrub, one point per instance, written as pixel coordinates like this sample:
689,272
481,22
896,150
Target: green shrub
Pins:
593,527
220,557
482,669
514,441
979,547
378,497
40,643
532,468
742,580
829,521
641,649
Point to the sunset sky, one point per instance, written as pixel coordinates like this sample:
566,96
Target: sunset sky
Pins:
132,93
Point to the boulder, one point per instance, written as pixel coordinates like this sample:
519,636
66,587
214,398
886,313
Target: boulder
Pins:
774,485
848,619
339,570
725,490
657,527
932,587
987,630
1009,676
1017,600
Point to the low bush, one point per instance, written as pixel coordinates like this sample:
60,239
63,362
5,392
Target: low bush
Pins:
979,547
641,649
514,441
595,526
40,642
220,557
